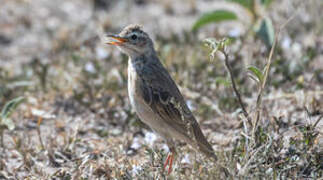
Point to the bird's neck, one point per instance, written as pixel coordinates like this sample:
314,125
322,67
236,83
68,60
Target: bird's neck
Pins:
143,58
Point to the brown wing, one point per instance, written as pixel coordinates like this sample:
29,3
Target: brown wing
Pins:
162,95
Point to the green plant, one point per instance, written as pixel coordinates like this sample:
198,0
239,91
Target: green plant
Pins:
260,24
5,121
216,16
263,151
220,46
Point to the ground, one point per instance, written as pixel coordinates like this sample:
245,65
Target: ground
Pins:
76,121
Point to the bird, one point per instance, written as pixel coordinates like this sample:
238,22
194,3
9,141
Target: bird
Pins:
155,96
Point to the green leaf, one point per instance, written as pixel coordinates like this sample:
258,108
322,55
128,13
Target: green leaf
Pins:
8,123
217,45
214,17
248,4
223,81
265,31
266,3
8,108
228,41
257,73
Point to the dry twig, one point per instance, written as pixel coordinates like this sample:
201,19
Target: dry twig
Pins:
227,65
267,68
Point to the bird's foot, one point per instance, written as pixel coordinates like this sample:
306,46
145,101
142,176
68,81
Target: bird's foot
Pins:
169,162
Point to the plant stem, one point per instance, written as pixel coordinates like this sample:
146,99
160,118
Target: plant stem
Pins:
227,65
38,132
1,136
268,63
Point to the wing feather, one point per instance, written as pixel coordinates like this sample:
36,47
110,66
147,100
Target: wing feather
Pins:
162,95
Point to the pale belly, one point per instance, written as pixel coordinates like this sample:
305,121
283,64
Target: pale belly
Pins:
141,108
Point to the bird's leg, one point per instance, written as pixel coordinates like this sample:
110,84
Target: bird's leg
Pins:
169,160
170,167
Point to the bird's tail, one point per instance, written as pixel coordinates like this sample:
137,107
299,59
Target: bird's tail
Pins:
201,142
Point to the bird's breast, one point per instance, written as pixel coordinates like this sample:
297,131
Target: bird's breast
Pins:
134,87
136,98
132,78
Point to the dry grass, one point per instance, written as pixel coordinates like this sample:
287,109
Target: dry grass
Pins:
76,121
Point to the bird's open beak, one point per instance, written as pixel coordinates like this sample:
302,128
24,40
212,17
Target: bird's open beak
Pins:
116,40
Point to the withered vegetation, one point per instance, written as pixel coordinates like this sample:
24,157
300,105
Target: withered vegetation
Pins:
76,122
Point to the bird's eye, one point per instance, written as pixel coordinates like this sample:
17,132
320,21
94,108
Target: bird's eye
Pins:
134,37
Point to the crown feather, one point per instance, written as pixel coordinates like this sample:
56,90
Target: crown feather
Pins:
132,28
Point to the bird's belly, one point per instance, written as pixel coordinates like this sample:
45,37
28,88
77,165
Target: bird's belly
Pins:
143,110
155,122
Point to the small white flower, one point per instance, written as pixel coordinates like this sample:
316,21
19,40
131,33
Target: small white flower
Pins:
150,138
135,169
89,67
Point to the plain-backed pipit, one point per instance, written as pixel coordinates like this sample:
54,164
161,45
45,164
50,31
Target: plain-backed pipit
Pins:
154,95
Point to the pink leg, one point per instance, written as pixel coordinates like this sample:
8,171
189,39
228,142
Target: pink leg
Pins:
170,164
169,161
166,162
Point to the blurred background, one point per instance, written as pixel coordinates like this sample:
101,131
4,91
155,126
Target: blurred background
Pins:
75,119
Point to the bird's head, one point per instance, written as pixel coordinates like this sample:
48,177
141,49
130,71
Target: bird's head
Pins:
133,41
